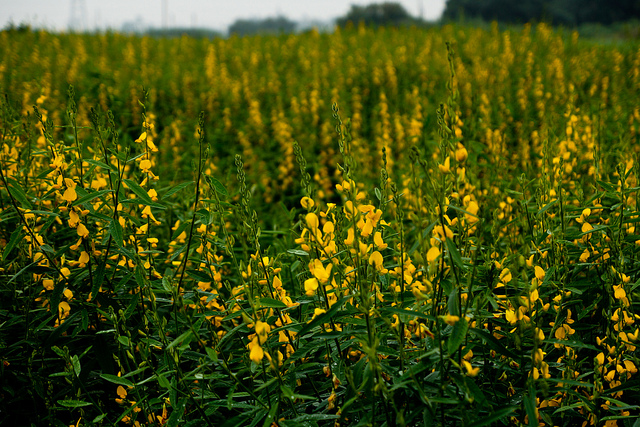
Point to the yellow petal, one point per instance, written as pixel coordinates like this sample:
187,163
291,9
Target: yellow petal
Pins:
432,254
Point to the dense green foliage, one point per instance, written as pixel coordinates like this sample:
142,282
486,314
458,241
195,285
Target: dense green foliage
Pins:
452,240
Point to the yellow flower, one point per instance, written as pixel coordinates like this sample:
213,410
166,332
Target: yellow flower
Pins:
375,259
377,240
312,221
432,254
70,194
307,202
319,271
539,273
450,319
262,329
350,237
145,165
82,230
471,371
446,167
256,353
310,286
74,219
142,137
146,213
461,153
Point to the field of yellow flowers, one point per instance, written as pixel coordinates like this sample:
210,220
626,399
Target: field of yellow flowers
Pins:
396,227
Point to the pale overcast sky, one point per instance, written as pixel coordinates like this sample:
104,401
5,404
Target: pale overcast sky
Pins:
216,14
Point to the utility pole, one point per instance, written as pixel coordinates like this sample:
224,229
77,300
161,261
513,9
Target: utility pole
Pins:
165,14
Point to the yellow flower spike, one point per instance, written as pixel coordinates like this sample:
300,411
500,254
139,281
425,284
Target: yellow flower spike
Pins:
446,167
307,202
377,240
539,272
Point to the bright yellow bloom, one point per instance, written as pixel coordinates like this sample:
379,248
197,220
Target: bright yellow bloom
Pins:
432,254
145,165
446,167
312,221
377,240
82,230
310,286
307,202
256,353
262,329
70,194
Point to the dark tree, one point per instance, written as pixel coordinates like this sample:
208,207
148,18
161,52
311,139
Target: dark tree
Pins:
377,14
276,25
564,12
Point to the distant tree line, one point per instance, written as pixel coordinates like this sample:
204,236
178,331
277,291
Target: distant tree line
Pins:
378,14
558,12
280,24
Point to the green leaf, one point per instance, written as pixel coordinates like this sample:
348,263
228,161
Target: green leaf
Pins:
378,194
115,229
176,188
494,344
16,191
455,255
200,276
497,415
99,164
183,338
403,312
163,381
458,334
16,237
270,303
117,380
530,407
213,355
218,186
75,362
298,252
142,194
90,196
74,403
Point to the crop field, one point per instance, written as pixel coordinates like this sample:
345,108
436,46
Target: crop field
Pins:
370,227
